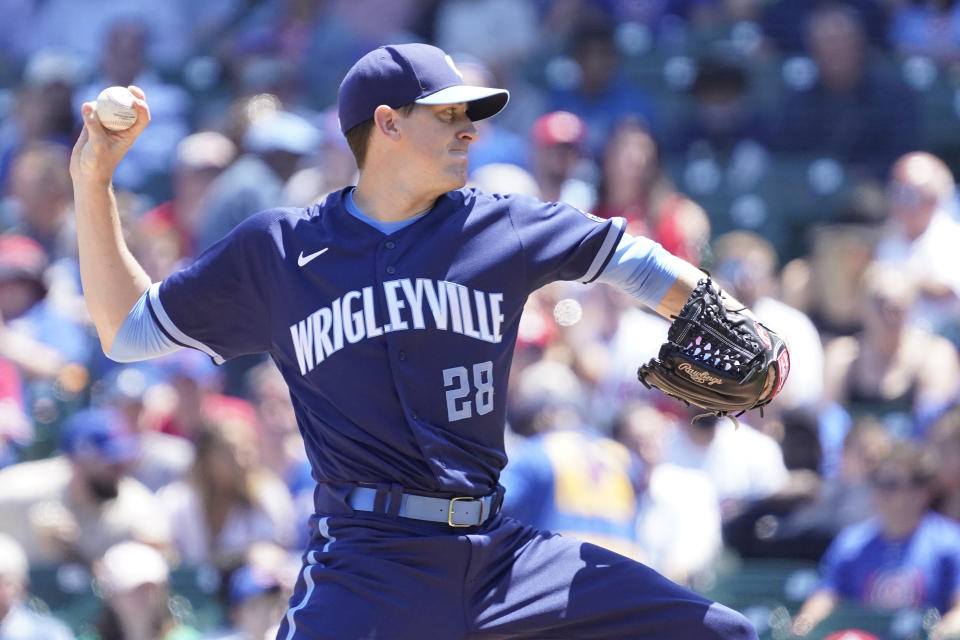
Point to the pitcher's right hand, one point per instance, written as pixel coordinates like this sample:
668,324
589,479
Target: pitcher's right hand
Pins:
99,150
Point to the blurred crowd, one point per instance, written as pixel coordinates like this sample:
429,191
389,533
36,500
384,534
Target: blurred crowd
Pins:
801,151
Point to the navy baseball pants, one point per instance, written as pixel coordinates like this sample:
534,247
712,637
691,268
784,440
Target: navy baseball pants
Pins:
376,577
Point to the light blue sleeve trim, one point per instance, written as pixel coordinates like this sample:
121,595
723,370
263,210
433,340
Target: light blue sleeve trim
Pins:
603,255
642,268
140,337
172,330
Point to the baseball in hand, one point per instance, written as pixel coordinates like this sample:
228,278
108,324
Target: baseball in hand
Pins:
115,108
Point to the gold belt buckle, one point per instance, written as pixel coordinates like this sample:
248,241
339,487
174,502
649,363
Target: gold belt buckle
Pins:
450,512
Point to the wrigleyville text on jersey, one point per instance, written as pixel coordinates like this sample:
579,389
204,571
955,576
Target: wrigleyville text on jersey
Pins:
410,304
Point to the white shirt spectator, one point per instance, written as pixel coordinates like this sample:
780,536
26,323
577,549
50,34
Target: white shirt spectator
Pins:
274,522
679,522
742,463
931,258
35,497
23,623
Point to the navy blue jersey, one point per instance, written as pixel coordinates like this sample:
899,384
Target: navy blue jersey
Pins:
396,348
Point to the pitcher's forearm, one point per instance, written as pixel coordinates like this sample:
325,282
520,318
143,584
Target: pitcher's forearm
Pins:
683,286
112,278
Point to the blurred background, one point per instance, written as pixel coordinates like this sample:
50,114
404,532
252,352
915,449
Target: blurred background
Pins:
803,152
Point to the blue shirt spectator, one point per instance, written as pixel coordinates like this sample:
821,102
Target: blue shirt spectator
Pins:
568,478
927,28
921,570
602,97
576,482
853,112
906,557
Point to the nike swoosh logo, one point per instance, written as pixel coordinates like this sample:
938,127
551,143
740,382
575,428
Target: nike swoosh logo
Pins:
302,260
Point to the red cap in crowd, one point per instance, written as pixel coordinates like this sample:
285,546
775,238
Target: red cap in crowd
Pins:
851,634
21,257
559,127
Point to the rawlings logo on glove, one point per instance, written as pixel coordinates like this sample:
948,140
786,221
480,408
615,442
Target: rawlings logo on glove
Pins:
698,376
718,359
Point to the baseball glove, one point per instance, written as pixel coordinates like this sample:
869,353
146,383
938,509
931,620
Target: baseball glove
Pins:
718,359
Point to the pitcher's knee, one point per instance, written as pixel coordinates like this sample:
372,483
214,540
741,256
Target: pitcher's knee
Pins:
728,624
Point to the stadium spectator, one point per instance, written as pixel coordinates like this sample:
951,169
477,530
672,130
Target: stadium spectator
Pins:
198,396
18,621
171,228
315,42
39,206
278,438
678,517
16,429
75,29
495,142
921,237
273,146
135,580
926,27
557,146
905,557
41,198
853,112
634,186
745,265
601,96
338,164
124,61
722,121
334,167
617,384
567,478
827,283
163,457
905,375
42,109
742,463
74,506
802,519
228,500
256,599
784,21
844,498
501,177
944,440
38,337
499,33
268,50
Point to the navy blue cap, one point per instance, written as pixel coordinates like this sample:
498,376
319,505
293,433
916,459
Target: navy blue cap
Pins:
99,434
398,74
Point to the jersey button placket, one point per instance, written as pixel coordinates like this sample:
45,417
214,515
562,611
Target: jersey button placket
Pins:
391,270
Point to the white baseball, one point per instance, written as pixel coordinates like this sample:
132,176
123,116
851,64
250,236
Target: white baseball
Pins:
567,312
115,108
